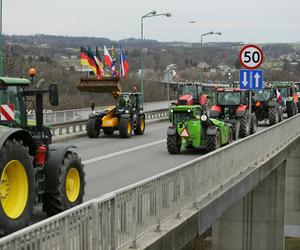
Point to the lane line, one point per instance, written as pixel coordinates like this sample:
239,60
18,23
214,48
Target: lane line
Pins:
101,158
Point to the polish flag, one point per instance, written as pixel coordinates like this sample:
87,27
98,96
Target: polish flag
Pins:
107,58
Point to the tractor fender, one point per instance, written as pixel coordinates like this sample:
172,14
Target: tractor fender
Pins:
215,111
171,130
19,134
212,130
239,112
56,154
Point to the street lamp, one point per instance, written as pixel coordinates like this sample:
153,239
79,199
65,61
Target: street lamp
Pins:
201,49
153,13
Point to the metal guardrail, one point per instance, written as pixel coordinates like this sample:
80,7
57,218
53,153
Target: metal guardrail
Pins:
63,116
121,217
80,125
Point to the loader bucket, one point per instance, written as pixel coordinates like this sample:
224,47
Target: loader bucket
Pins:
103,85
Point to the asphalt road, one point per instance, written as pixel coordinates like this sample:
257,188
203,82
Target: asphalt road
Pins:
112,163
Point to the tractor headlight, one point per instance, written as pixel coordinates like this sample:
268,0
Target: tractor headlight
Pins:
204,118
189,110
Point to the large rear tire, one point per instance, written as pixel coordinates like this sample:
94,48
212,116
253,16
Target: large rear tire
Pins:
173,144
17,187
273,116
92,127
213,141
253,127
140,126
71,186
245,124
125,127
290,109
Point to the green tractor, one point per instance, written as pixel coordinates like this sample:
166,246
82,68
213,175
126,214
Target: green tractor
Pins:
191,128
287,95
33,172
266,105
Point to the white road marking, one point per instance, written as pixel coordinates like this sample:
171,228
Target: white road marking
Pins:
103,157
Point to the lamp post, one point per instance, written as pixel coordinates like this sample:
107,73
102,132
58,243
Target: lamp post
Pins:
201,48
153,13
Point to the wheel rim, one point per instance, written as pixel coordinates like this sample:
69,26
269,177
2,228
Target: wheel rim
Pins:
72,184
142,124
14,189
129,128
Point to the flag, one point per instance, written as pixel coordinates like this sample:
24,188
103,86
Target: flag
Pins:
279,96
99,70
87,59
107,58
124,64
98,59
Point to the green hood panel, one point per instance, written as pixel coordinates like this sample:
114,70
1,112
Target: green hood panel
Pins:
12,81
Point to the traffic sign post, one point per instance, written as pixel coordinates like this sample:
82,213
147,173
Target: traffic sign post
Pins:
251,56
251,79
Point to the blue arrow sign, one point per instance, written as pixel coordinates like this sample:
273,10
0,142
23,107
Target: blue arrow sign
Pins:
251,79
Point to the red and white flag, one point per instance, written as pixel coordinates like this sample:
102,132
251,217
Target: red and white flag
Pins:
107,58
7,112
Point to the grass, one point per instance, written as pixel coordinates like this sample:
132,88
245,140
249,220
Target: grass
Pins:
292,243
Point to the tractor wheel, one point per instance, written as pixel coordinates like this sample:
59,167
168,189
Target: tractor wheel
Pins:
17,187
173,144
236,130
71,186
108,131
125,128
92,127
253,127
273,116
140,125
214,141
245,124
280,112
230,135
290,109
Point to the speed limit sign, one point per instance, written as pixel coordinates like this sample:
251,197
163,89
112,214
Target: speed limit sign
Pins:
251,56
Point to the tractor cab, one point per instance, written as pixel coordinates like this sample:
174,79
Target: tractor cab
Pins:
129,103
189,93
228,102
14,94
13,110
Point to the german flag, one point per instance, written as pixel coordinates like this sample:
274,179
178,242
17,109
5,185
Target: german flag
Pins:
88,59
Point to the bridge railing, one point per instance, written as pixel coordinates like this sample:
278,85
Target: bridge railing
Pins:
76,126
118,219
58,117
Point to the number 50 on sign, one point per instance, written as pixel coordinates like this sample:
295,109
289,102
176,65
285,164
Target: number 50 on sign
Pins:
251,56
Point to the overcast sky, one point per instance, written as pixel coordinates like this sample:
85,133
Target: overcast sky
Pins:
247,21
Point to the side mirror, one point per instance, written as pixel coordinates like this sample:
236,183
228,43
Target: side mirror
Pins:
53,95
92,106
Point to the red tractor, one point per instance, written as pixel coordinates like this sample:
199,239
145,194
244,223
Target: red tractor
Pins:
233,106
190,93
